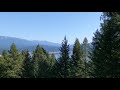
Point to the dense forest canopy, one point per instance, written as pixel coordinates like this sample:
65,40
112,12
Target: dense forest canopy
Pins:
100,60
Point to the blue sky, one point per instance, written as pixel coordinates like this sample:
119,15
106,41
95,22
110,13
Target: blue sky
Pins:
50,26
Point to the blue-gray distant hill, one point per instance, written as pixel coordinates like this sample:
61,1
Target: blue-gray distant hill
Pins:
5,43
21,44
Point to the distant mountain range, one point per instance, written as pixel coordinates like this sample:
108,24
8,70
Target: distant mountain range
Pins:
5,43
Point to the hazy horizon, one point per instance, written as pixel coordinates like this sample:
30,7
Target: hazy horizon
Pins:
50,26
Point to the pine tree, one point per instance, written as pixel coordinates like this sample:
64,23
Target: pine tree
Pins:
64,59
36,57
76,61
27,65
56,69
52,61
3,67
85,59
106,47
14,63
40,65
14,51
97,62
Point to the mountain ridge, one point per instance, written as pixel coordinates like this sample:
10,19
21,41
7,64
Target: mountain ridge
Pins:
6,41
9,37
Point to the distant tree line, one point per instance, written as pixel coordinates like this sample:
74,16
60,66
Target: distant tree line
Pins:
16,64
104,57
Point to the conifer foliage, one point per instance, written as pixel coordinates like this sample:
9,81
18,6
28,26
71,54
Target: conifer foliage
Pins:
76,60
99,60
64,59
106,44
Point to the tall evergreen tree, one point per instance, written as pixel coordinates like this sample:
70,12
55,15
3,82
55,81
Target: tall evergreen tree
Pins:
14,63
40,65
64,59
76,61
11,63
14,51
27,65
85,59
52,61
3,66
106,47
